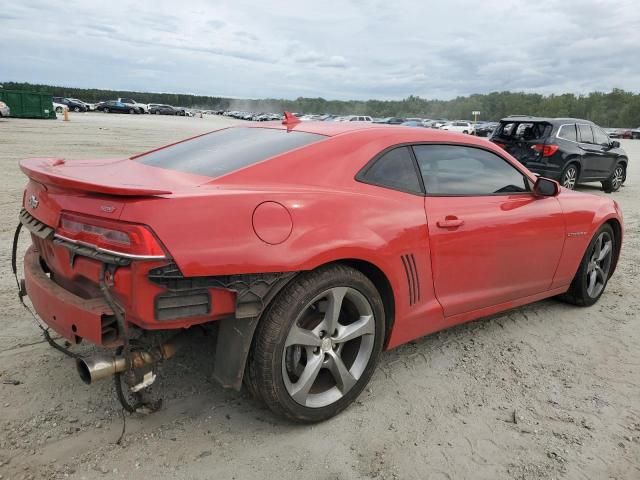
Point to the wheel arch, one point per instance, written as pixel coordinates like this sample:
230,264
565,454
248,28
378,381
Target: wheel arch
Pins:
382,284
236,335
615,225
575,160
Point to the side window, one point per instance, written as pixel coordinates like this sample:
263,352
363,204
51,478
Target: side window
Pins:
585,134
395,169
457,170
599,136
568,132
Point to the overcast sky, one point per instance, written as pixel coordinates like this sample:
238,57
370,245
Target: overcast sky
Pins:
335,49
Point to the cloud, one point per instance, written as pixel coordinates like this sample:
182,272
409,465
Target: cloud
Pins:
216,24
335,48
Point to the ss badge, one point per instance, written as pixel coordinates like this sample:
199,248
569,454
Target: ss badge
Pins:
33,202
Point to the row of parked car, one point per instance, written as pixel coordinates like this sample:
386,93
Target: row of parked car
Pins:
463,126
120,105
129,105
633,133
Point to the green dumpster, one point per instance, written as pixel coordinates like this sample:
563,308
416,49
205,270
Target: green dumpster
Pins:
24,104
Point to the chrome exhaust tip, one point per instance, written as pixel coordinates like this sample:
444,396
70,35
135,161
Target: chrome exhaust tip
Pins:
98,367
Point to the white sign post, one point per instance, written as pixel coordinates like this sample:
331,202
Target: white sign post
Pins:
475,114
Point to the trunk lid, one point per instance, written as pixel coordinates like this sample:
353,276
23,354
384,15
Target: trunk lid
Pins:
119,177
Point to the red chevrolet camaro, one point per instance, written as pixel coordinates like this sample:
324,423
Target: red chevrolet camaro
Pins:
310,247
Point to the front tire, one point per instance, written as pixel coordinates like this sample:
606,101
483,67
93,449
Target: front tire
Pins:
318,344
569,177
615,181
594,270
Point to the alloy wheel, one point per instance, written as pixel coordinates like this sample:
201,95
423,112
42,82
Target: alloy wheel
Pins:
617,178
328,347
569,178
599,264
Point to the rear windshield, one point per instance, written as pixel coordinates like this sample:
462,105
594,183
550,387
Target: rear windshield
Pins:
522,131
223,151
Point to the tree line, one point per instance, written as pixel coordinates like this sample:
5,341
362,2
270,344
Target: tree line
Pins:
618,108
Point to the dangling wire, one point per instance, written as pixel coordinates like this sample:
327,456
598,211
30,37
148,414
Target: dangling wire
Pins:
22,293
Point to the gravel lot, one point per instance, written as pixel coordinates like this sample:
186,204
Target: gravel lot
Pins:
544,391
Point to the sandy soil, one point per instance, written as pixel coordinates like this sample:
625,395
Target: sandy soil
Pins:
544,391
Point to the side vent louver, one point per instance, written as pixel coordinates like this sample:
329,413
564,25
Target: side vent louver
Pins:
413,280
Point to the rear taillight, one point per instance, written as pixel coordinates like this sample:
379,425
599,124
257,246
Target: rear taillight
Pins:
501,145
120,238
546,150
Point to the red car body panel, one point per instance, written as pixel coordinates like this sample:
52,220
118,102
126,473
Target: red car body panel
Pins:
303,209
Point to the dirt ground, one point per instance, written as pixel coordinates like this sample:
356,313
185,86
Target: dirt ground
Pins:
544,391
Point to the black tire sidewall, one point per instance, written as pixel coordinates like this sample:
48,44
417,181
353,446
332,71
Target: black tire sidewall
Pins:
579,285
276,325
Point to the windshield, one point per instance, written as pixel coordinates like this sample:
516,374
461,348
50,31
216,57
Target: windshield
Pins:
223,151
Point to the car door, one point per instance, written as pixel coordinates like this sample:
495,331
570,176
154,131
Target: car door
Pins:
592,156
608,156
492,241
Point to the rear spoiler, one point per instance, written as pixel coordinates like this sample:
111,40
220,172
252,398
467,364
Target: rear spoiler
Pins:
54,172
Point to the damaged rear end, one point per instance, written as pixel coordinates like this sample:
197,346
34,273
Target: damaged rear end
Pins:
93,276
131,254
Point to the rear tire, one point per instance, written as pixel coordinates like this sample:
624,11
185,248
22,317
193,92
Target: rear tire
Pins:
317,346
617,178
594,270
569,177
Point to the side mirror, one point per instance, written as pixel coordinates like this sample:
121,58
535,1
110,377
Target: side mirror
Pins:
545,187
615,144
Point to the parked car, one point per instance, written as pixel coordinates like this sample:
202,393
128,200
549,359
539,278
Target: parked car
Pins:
305,286
5,111
612,132
59,107
72,105
438,123
159,109
459,126
635,133
485,129
624,133
412,123
359,118
390,120
88,106
114,106
569,150
143,107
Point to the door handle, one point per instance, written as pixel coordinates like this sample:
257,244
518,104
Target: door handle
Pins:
450,221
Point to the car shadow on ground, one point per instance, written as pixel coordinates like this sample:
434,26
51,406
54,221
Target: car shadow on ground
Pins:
188,388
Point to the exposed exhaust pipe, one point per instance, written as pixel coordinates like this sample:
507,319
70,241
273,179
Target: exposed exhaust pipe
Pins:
102,366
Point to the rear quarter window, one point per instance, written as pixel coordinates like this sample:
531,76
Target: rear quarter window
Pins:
568,132
224,151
